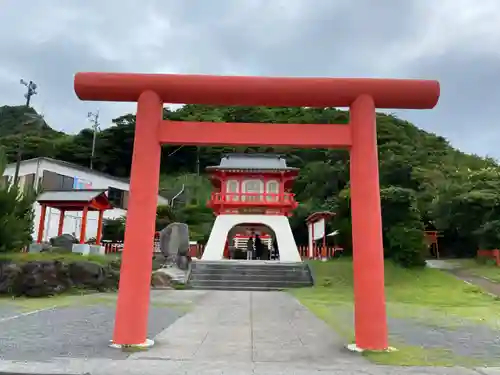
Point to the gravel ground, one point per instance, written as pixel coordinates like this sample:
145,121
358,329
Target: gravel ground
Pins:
471,341
468,341
79,331
7,311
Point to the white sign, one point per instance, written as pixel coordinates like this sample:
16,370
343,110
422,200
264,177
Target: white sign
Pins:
319,229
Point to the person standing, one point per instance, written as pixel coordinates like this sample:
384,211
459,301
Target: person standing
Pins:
259,247
250,248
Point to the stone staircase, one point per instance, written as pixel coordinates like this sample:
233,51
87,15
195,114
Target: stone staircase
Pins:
248,275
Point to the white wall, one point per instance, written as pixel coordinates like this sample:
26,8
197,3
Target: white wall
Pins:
214,250
72,221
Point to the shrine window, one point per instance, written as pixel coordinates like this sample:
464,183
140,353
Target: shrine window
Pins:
272,187
253,190
232,190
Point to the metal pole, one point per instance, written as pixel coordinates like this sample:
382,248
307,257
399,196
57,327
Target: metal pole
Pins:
31,86
197,161
94,118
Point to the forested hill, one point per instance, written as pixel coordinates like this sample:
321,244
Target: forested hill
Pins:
443,187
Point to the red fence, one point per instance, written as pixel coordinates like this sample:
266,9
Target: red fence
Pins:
196,251
490,254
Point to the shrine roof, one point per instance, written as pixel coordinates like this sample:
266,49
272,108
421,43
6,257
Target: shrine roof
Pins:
316,216
269,162
75,200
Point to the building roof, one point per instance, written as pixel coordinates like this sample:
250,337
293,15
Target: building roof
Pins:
252,162
75,200
317,216
74,166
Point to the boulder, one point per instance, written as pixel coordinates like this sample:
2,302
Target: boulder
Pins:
161,280
173,274
42,278
64,241
9,273
51,277
88,274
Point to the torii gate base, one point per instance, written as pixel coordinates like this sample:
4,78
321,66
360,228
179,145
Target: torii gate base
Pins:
359,136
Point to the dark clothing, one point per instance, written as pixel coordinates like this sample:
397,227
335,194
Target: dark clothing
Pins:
259,247
276,254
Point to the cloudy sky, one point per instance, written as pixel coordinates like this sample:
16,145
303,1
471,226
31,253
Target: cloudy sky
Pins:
454,41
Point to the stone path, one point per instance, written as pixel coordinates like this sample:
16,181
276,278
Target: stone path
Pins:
237,333
251,327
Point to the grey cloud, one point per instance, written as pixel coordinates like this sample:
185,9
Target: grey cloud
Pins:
393,38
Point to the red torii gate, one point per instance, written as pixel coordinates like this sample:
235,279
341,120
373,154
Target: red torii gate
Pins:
362,96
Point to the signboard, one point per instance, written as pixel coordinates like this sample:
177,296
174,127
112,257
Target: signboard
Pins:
319,229
81,184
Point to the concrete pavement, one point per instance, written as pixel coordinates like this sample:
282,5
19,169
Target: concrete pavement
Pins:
239,333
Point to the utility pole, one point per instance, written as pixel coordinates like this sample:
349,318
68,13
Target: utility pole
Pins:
31,118
31,86
198,161
94,119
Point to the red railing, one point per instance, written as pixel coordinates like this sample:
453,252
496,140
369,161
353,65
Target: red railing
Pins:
490,254
196,251
280,199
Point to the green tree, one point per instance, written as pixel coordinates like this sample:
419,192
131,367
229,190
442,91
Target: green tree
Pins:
16,214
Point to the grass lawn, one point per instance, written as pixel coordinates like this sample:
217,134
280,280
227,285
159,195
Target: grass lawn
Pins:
488,270
64,257
428,296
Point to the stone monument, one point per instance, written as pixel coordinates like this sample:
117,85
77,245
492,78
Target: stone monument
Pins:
174,245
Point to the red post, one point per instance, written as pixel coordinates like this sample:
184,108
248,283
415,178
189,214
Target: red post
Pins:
41,225
99,228
368,251
83,228
135,277
324,239
311,252
61,223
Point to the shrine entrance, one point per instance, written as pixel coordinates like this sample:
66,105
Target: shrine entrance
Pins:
241,243
359,136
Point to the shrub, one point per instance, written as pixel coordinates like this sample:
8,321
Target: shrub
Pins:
488,235
16,214
403,227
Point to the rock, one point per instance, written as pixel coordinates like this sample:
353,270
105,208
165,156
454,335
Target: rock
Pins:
88,274
64,241
51,277
158,261
173,273
161,280
42,278
174,244
9,273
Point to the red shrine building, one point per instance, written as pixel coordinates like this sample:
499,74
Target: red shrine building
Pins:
252,193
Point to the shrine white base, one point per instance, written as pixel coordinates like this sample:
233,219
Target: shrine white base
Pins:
214,250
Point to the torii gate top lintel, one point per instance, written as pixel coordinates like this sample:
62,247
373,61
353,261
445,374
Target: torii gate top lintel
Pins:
254,91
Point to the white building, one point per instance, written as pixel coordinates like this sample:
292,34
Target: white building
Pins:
50,175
